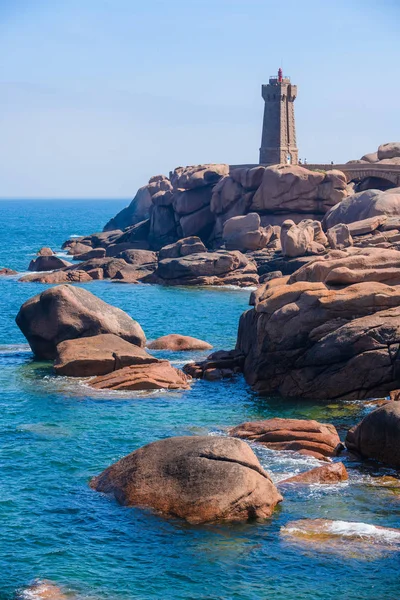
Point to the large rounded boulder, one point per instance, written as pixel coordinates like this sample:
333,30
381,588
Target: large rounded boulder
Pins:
363,205
377,436
177,342
200,479
65,312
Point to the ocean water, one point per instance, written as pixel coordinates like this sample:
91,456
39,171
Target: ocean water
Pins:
55,435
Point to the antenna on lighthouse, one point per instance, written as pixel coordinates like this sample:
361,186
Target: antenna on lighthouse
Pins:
280,75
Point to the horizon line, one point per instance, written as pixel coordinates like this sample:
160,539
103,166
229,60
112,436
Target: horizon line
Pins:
101,198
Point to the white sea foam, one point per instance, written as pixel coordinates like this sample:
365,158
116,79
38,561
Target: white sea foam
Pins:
349,528
346,529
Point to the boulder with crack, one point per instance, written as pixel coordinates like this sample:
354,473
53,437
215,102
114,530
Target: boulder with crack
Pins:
200,479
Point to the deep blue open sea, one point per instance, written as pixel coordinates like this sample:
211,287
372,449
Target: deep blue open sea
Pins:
54,437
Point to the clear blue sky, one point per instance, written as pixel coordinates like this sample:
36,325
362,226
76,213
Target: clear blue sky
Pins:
98,95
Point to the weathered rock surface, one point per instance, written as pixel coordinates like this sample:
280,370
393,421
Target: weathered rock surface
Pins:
177,342
367,225
303,339
307,437
355,265
245,233
75,247
363,205
160,374
45,251
390,150
199,479
208,268
48,263
98,355
339,237
377,436
138,257
184,247
219,365
58,277
92,253
328,474
66,312
286,188
371,157
301,239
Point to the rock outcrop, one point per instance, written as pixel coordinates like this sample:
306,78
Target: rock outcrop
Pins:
307,437
339,237
184,247
62,276
304,339
355,265
154,375
206,268
294,189
176,342
184,209
305,238
98,355
45,251
66,312
377,436
200,479
245,233
199,200
219,365
328,475
47,263
138,210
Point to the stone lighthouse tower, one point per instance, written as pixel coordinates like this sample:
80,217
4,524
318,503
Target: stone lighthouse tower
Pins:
278,142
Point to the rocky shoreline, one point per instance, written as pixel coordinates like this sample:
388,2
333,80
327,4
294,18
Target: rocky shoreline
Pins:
323,262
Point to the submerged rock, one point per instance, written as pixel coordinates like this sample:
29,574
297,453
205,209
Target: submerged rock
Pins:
66,312
377,436
328,474
307,437
42,589
336,533
98,355
160,374
199,479
6,271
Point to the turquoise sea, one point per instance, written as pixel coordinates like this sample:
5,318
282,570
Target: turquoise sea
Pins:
54,436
